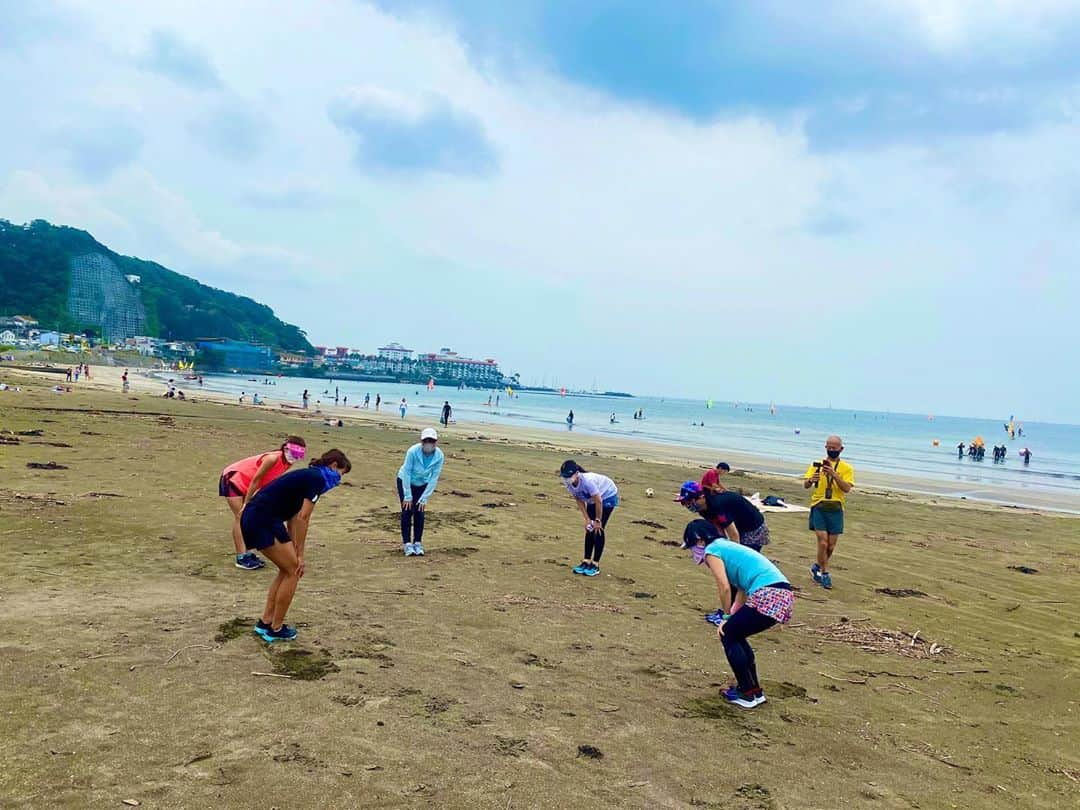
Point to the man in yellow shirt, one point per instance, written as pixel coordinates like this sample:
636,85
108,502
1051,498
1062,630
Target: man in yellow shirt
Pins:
831,480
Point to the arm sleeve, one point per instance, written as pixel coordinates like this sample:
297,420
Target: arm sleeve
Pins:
433,480
405,473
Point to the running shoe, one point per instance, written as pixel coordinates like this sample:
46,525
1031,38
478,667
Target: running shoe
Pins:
815,572
270,635
409,550
259,561
249,562
826,580
731,693
579,568
749,699
592,570
418,549
715,618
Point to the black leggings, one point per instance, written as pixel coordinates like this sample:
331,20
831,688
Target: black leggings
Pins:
412,520
594,541
745,622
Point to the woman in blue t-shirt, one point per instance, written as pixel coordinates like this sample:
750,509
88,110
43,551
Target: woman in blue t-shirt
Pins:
754,596
290,498
596,496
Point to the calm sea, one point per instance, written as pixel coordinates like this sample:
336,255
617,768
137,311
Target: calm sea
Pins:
893,443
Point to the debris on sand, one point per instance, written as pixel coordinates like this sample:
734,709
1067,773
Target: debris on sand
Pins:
537,602
49,465
1023,569
899,592
590,752
644,595
878,640
652,524
497,504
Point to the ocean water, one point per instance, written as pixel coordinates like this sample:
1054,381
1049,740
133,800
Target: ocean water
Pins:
892,443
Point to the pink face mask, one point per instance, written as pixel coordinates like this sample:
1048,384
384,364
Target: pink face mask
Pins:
294,452
698,553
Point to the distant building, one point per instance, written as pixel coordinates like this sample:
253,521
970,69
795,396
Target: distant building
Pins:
7,336
448,366
133,279
295,359
395,352
48,339
237,354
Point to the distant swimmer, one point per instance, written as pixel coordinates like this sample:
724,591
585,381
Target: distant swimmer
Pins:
613,420
1025,454
570,420
960,450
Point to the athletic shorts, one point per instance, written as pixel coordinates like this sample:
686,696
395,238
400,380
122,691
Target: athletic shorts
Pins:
227,489
260,531
827,520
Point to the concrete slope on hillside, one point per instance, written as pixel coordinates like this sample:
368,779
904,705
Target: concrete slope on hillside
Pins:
101,295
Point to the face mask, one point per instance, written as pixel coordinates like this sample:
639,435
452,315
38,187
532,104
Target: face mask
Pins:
692,506
331,477
698,553
294,453
428,448
833,453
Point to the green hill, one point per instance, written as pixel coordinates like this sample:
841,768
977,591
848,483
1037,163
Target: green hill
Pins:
68,280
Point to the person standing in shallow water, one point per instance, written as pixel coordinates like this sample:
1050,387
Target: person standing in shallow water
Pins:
290,499
831,480
754,596
596,496
416,482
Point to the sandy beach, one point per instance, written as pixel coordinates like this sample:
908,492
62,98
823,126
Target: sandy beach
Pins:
937,673
764,468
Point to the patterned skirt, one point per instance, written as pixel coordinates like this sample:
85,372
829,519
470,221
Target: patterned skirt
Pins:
756,537
776,603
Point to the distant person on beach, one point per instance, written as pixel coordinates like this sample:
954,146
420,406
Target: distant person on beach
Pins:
1025,454
275,522
125,385
570,419
596,496
960,450
367,400
710,481
304,399
256,399
416,482
730,512
831,480
403,406
378,401
754,596
242,479
70,373
446,412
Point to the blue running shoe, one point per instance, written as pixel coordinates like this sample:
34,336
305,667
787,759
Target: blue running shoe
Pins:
731,693
715,618
409,550
748,700
270,635
826,580
815,572
249,562
592,570
418,549
579,568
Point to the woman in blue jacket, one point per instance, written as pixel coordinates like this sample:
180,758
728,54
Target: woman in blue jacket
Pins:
416,482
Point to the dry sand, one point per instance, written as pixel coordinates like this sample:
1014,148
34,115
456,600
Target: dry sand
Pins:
936,674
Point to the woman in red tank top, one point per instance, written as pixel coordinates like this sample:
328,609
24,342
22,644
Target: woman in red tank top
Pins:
242,479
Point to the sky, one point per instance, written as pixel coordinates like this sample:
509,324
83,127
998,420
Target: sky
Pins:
868,203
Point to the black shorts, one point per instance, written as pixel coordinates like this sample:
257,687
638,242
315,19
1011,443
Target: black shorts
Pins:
260,531
227,489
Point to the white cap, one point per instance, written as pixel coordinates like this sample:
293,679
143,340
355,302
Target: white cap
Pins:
429,433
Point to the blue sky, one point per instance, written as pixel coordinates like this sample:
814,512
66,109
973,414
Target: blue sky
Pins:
873,204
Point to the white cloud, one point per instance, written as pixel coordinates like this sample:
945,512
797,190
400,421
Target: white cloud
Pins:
606,225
